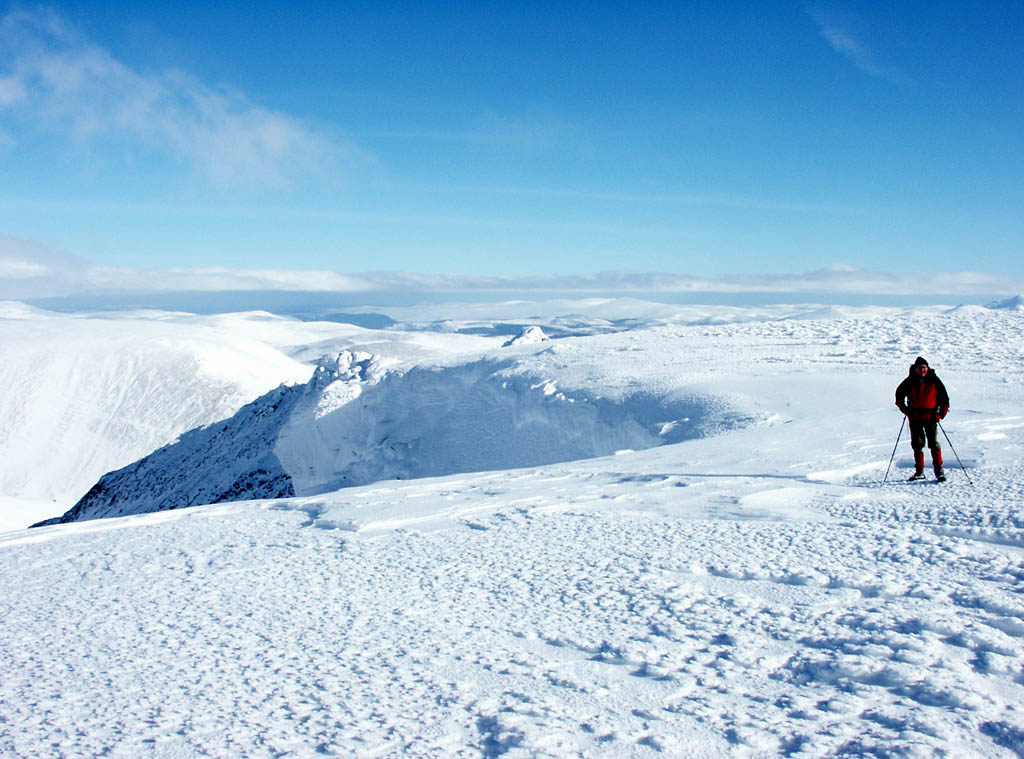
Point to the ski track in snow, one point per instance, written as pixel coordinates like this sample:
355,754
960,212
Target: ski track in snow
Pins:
752,594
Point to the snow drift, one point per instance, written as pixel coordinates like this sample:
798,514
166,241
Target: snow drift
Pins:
355,422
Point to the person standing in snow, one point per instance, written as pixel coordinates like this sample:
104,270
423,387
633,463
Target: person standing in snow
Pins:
923,399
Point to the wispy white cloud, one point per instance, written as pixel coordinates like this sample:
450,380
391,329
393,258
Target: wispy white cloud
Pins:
53,79
837,31
31,270
216,278
20,269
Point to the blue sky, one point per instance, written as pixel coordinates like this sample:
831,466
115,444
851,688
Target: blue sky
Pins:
516,138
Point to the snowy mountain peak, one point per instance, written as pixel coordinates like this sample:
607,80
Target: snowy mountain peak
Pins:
529,336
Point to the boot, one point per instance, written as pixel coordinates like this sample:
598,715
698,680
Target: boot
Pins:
940,476
918,466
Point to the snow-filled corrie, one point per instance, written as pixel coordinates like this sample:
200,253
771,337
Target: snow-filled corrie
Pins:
354,423
753,593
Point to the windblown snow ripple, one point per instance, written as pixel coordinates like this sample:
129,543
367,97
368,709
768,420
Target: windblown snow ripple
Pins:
354,423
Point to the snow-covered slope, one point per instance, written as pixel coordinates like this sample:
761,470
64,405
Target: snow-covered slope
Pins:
84,395
751,593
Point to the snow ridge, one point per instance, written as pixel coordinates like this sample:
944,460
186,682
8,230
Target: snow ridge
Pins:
226,461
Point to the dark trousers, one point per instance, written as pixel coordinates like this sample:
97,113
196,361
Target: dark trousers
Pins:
922,430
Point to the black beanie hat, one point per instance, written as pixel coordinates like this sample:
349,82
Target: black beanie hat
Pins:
920,362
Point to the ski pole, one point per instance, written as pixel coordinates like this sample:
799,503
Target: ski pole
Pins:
902,424
955,453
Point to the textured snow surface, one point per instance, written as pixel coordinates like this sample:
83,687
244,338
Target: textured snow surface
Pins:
749,593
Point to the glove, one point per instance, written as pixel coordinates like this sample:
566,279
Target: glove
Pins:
902,406
942,411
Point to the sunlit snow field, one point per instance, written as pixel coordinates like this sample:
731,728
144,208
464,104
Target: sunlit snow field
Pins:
661,533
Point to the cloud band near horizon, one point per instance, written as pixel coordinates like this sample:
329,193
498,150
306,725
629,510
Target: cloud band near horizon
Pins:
30,270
